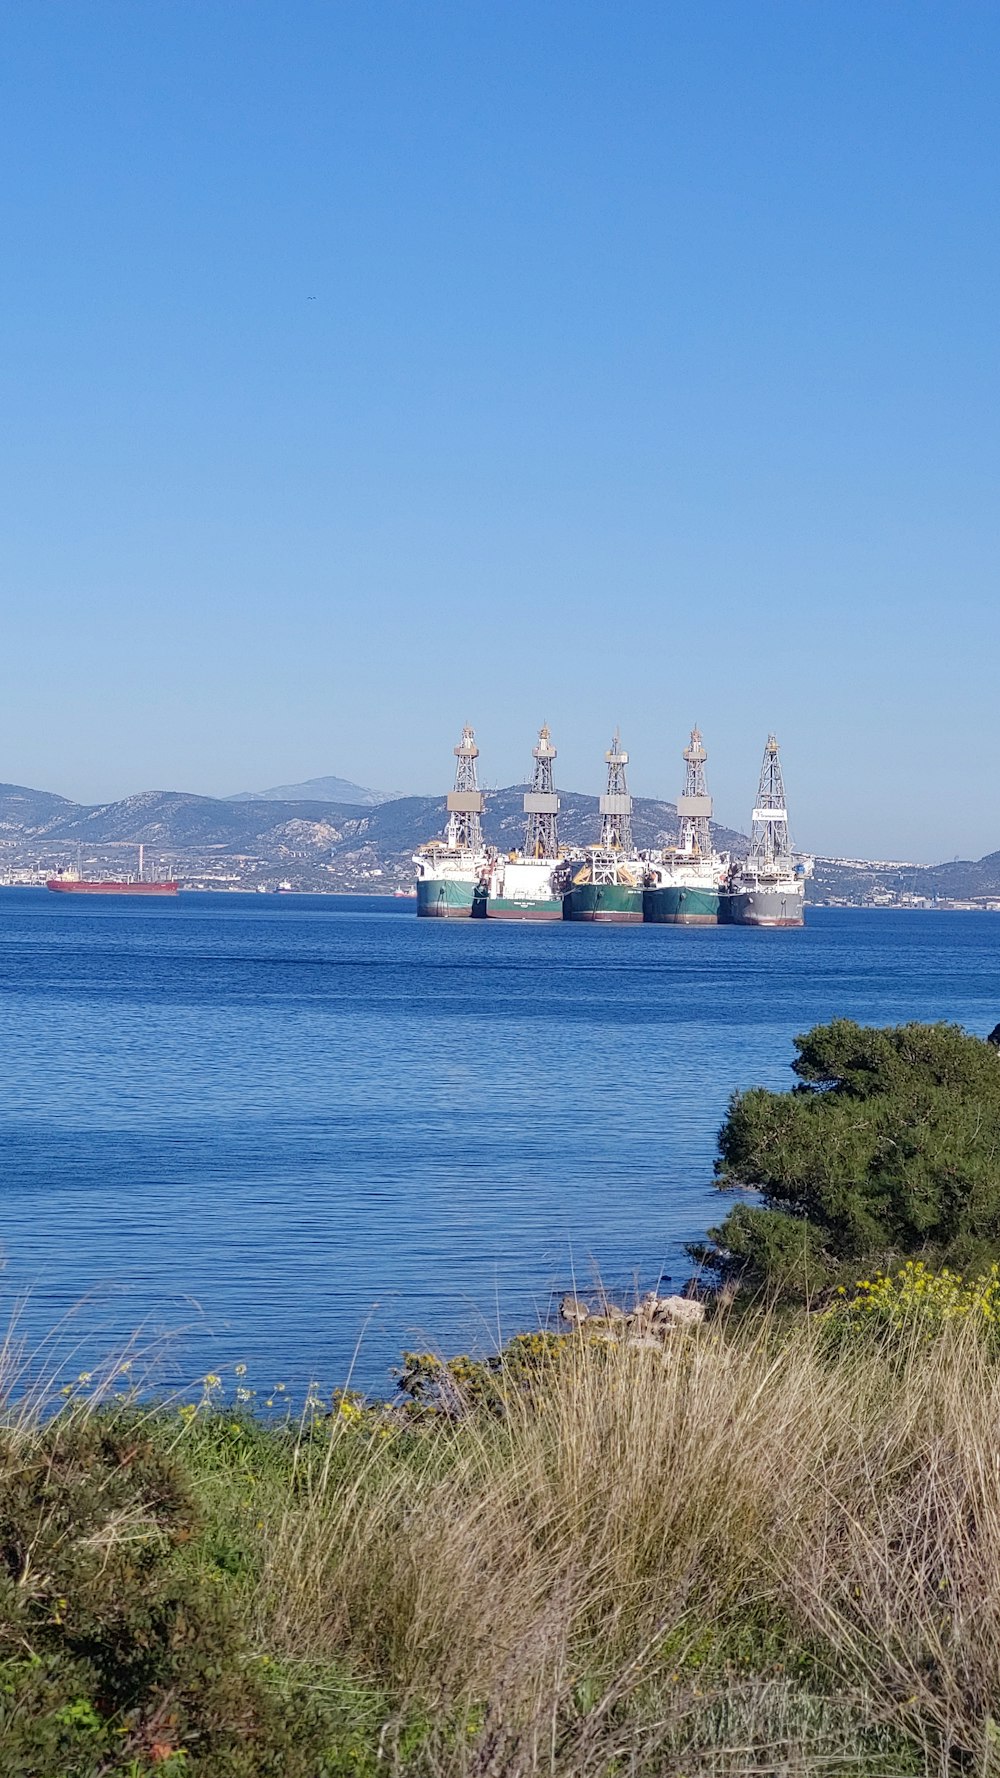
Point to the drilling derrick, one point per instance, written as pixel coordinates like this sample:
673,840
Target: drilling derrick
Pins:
694,808
616,805
769,887
606,882
770,846
465,802
541,804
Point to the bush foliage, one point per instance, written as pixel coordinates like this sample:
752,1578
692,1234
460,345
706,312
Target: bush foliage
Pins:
888,1146
118,1654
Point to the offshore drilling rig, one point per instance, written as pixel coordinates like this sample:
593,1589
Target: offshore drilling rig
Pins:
684,885
695,805
769,887
689,883
605,883
524,885
541,804
447,873
616,804
465,802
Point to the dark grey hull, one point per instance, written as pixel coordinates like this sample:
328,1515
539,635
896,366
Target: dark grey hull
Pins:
767,907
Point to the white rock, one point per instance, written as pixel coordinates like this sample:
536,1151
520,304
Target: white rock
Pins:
571,1309
683,1311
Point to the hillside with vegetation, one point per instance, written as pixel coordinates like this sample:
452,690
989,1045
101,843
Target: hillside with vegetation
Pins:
316,845
366,842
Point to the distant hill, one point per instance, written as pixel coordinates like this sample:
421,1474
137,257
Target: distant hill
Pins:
854,880
179,819
409,821
174,819
355,840
963,877
28,811
328,842
317,790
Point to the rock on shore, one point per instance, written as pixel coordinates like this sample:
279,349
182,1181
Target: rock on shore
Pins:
651,1322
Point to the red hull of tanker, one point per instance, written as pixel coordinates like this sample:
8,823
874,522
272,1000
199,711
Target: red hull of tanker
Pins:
73,886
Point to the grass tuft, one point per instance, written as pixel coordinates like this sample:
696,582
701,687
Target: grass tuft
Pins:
763,1547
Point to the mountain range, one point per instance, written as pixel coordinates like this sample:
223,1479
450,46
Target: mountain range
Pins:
318,790
317,842
313,843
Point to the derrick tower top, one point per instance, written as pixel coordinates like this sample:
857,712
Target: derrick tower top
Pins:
465,802
541,804
770,846
616,804
694,808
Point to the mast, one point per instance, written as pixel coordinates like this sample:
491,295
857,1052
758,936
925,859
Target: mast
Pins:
465,802
142,851
616,804
770,847
541,804
694,808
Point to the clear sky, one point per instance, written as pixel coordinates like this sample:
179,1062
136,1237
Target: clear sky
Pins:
374,365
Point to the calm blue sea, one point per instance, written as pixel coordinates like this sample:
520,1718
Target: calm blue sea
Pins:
301,1133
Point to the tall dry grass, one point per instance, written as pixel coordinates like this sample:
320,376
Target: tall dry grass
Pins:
746,1554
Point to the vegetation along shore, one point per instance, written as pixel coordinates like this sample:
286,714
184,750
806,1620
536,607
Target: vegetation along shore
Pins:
766,1541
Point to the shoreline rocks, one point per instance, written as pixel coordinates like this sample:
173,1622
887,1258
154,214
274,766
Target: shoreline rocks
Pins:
651,1322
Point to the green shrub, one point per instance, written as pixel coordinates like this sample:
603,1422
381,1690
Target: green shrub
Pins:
888,1146
917,1302
453,1387
116,1654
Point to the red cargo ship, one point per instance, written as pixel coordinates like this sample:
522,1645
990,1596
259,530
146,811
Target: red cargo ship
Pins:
131,886
72,883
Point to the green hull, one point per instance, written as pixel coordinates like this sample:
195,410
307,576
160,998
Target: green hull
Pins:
603,901
444,898
675,904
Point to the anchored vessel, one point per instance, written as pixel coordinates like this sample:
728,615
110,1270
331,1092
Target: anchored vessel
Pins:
606,882
768,887
683,887
449,870
690,884
73,883
527,885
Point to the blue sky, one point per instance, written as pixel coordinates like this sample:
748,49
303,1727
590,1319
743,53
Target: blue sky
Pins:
372,367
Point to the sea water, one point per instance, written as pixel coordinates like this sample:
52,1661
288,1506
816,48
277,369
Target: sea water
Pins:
302,1133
